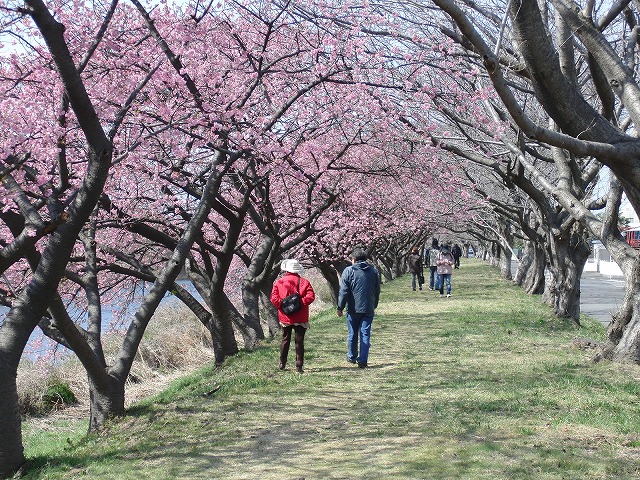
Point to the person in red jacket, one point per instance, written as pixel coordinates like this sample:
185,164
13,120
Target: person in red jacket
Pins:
292,282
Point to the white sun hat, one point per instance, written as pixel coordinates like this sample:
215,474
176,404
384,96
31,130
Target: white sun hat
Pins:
291,265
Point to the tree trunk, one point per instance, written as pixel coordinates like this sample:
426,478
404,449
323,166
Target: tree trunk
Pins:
205,318
533,268
623,334
496,255
484,253
570,253
524,264
385,267
269,314
504,249
505,264
221,328
11,450
399,265
220,324
26,312
253,332
106,402
567,301
330,274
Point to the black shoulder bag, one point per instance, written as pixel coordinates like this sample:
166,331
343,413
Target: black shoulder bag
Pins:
292,303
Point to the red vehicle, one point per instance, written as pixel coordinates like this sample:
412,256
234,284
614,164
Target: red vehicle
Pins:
633,237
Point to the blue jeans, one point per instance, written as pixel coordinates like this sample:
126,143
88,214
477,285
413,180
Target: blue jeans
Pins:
359,327
444,278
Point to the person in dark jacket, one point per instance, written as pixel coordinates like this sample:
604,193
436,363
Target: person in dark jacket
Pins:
359,293
292,282
456,251
415,267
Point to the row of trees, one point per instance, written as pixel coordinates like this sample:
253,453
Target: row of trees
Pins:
216,139
557,97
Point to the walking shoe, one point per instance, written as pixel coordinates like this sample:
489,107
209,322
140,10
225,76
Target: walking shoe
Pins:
448,295
299,370
362,365
441,295
351,360
281,366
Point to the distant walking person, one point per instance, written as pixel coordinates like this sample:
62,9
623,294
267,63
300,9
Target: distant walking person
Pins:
456,251
415,267
297,321
360,293
445,269
431,257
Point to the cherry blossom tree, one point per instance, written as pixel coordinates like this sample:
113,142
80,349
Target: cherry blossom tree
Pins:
67,203
419,197
144,123
56,171
299,157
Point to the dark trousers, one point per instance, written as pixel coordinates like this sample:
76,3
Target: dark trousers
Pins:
286,341
433,278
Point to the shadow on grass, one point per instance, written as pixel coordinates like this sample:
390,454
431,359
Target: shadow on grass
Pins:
353,368
456,446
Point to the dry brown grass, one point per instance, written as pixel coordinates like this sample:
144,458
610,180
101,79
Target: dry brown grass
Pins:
175,343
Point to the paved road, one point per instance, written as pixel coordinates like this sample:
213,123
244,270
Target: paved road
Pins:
600,295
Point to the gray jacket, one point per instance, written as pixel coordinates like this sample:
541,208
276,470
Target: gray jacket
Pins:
359,288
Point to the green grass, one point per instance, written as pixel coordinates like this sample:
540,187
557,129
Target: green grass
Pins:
484,385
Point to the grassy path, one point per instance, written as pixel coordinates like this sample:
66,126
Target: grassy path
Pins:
484,385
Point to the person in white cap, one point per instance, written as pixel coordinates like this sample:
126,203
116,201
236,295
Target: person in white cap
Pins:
292,282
